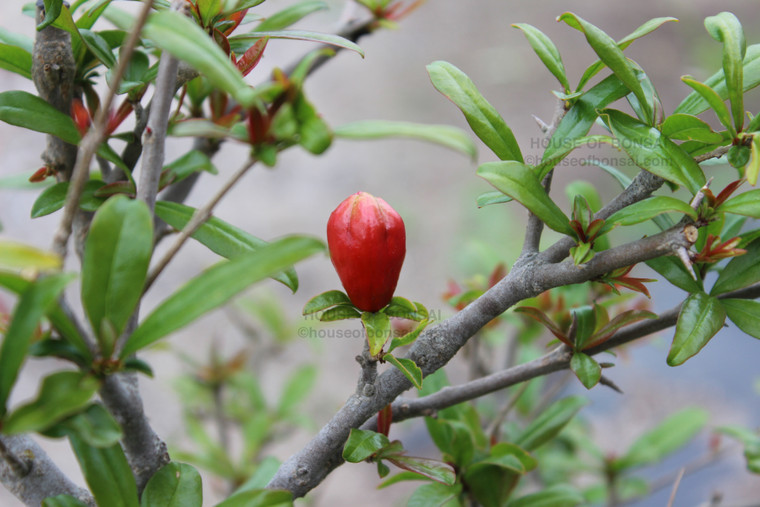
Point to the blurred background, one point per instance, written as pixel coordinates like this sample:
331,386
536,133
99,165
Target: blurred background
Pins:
448,236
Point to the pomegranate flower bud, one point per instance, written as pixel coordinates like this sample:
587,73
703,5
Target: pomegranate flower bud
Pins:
367,243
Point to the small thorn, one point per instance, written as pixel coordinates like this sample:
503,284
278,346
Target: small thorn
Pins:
543,126
699,196
683,254
605,381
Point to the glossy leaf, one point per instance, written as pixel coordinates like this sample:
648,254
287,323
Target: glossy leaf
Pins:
714,100
747,203
377,327
430,468
99,47
437,494
608,52
586,369
116,257
94,425
546,51
16,59
107,473
340,312
443,135
314,135
52,9
745,314
220,237
290,15
742,271
484,120
675,272
492,479
408,367
550,422
489,198
325,300
654,152
174,485
18,257
520,182
25,110
33,303
53,198
362,444
685,127
647,209
259,498
667,437
408,338
217,285
242,42
700,318
557,495
61,394
626,318
191,162
726,28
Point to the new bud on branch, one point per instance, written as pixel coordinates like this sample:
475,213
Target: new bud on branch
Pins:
367,242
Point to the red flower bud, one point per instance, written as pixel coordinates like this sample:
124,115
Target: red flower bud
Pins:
367,244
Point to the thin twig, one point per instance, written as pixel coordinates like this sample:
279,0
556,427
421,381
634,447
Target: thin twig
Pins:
494,429
199,218
677,483
96,135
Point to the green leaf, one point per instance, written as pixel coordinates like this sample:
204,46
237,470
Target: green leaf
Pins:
33,303
191,162
608,52
300,383
220,237
107,473
751,442
340,312
314,135
408,338
325,300
208,9
94,425
557,495
624,319
53,198
745,314
17,39
116,258
484,120
98,47
430,468
290,15
586,369
489,198
670,435
492,479
217,285
19,257
377,327
362,444
174,485
585,323
408,367
742,271
546,51
239,43
714,100
551,421
747,204
675,272
52,10
61,394
177,34
16,59
25,110
519,182
726,28
647,209
259,498
444,135
62,501
701,317
436,495
685,127
654,152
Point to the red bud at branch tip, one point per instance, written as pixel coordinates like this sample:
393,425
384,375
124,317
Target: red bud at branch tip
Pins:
367,242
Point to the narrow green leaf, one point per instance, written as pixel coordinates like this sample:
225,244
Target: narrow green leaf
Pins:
608,52
675,272
685,127
489,198
648,209
436,494
408,338
259,498
19,257
98,47
300,383
667,437
61,394
701,317
290,15
107,473
546,51
520,182
326,300
116,257
16,59
742,271
726,28
557,495
53,198
654,152
484,120
314,135
340,312
714,100
444,135
220,237
191,162
17,39
36,300
745,314
52,10
626,318
430,468
94,425
25,110
362,444
551,421
408,367
377,327
747,204
217,285
62,501
585,323
586,369
174,485
238,42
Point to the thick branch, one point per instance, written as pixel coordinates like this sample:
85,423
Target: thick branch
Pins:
29,473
